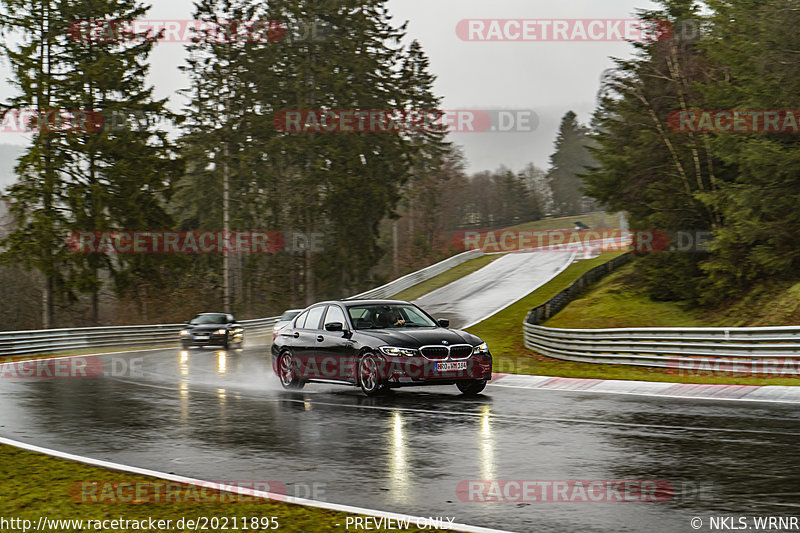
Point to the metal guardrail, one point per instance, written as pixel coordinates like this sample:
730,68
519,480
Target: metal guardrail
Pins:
31,342
409,280
259,326
762,350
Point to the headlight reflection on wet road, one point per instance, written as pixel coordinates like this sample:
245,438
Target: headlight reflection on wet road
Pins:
487,460
222,362
398,462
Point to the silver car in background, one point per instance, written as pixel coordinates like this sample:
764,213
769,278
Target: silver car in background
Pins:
285,318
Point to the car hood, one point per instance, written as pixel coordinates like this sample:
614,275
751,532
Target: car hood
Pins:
416,337
206,327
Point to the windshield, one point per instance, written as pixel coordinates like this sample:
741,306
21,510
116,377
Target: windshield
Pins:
213,318
383,316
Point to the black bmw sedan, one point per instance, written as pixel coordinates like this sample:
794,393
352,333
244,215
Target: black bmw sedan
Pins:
212,329
378,345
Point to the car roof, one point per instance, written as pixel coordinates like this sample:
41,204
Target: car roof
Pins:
350,303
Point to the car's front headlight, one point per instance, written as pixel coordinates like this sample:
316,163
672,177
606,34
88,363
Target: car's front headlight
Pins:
184,332
481,349
221,331
394,350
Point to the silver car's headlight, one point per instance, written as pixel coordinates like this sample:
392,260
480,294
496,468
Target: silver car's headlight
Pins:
481,349
184,332
394,350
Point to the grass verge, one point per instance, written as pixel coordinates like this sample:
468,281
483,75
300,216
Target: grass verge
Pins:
618,301
35,485
612,303
503,333
449,276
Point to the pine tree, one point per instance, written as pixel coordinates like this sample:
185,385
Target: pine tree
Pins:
664,179
340,185
224,127
425,193
86,175
120,176
568,162
752,55
35,201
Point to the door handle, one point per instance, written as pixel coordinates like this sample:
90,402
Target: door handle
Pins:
320,338
296,334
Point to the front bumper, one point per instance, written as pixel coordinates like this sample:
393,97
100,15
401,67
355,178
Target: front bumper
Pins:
419,370
202,339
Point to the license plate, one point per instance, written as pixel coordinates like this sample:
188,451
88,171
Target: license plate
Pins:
446,367
201,337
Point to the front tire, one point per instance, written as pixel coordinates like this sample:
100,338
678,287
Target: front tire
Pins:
472,387
286,373
369,378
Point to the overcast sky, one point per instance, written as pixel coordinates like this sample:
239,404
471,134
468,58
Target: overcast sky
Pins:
549,78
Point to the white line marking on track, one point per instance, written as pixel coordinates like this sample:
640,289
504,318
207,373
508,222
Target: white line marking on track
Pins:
236,489
649,394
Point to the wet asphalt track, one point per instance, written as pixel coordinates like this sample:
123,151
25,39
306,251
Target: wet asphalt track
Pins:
223,417
493,287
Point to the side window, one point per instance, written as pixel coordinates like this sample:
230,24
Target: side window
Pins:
314,317
301,320
335,314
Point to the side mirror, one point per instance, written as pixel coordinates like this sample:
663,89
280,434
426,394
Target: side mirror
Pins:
334,326
444,322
